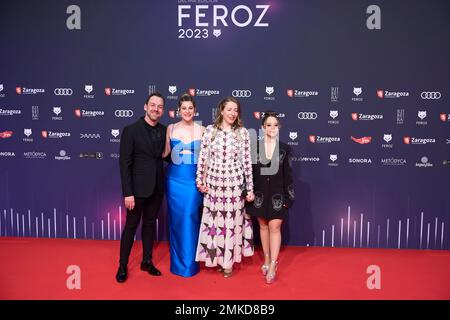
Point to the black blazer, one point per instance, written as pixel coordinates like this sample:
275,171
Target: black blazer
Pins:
274,194
141,165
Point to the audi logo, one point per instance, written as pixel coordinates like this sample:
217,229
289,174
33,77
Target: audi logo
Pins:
123,113
63,92
430,95
241,93
307,115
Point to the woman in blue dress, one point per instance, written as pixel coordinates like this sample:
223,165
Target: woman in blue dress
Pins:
184,201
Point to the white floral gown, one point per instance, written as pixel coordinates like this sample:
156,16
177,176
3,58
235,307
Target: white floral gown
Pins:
226,231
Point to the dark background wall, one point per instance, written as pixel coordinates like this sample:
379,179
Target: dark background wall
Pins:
380,194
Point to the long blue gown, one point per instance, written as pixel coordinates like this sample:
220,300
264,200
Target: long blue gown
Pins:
184,203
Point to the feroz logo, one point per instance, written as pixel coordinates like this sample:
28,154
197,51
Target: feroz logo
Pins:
88,88
422,114
57,110
27,132
334,114
333,157
293,135
270,90
387,138
242,16
172,89
115,132
430,95
1,87
357,91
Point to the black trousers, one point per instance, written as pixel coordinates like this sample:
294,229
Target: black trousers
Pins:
147,208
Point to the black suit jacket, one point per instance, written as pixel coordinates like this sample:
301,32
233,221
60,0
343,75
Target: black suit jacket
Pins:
274,194
141,165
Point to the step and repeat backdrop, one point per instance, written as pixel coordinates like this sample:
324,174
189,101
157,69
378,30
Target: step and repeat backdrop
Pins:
361,87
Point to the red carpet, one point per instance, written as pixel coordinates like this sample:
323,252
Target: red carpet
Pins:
36,269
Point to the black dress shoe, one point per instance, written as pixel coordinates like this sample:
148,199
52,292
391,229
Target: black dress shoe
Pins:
122,274
150,268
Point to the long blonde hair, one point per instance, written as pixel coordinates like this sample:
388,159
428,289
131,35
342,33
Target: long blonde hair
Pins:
219,118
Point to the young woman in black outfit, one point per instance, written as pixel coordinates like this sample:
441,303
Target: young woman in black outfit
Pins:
273,189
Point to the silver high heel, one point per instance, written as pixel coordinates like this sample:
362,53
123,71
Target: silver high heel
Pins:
227,273
265,267
270,277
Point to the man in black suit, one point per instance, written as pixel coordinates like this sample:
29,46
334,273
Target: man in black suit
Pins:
141,172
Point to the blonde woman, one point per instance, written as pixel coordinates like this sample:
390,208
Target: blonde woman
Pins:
224,171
